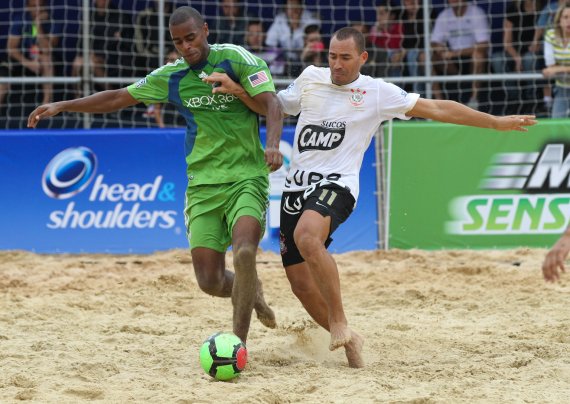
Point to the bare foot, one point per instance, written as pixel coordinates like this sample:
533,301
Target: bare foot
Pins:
340,336
262,309
353,351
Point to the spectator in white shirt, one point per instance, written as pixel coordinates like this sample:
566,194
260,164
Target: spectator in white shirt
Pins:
287,32
460,42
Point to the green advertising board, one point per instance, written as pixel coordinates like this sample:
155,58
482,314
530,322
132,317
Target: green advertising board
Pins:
457,187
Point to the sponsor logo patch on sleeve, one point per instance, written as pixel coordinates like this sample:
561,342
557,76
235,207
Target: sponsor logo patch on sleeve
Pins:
258,78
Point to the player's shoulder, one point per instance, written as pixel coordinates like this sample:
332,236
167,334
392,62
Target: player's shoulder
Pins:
316,74
170,68
228,51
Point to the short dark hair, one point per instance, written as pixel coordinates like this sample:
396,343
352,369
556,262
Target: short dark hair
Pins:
185,13
349,32
309,29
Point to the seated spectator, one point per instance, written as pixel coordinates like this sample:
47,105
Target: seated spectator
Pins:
519,28
545,21
412,18
460,42
30,44
4,72
313,51
147,35
287,32
556,56
111,37
230,24
386,38
254,42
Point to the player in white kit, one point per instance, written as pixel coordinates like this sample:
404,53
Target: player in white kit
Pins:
340,110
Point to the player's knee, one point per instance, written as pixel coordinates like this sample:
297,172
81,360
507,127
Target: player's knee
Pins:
210,282
244,256
307,244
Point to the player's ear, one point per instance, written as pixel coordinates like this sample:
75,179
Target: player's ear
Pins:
206,29
364,57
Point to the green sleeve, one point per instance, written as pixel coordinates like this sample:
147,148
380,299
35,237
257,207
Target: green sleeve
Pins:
152,89
256,79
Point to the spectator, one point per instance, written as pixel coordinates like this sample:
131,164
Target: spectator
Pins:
254,42
230,25
147,35
111,36
545,20
386,38
413,45
313,51
4,72
287,32
519,28
460,42
556,56
30,44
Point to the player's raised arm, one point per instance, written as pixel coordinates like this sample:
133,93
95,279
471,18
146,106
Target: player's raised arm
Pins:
99,103
454,112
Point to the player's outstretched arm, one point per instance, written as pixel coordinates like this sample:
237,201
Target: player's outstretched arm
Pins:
454,112
554,261
99,103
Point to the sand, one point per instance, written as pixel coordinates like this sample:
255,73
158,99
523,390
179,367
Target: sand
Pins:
446,326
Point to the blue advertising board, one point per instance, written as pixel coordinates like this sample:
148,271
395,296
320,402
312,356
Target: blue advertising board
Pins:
122,191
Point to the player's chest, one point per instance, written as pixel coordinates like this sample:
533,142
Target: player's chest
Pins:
197,95
347,104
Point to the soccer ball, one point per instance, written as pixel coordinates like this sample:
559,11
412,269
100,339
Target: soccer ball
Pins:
223,355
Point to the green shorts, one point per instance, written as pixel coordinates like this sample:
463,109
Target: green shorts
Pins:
211,211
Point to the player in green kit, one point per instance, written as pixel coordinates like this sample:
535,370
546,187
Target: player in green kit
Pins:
227,168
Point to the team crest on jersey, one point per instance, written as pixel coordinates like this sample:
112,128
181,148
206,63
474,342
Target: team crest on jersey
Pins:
203,75
357,97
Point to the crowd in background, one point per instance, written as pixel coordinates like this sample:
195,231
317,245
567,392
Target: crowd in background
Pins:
466,37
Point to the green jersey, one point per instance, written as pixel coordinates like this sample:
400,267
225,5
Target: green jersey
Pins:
222,142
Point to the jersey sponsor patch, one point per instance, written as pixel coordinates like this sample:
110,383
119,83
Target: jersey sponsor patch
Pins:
141,83
258,78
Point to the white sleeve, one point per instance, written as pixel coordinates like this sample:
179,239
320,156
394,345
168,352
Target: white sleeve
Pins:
395,102
290,98
549,54
481,26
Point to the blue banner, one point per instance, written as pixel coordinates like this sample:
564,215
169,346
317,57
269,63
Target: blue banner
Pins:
122,191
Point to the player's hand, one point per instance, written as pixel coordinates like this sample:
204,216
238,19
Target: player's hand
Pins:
222,83
515,122
41,112
273,158
553,263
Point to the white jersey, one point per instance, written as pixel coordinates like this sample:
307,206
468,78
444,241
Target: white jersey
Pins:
336,124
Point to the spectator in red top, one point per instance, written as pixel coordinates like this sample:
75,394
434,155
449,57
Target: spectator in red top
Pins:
386,37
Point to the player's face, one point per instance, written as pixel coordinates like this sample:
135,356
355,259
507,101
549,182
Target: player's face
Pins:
345,61
191,41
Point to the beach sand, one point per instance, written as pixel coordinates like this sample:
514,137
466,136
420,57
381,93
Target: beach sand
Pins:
443,326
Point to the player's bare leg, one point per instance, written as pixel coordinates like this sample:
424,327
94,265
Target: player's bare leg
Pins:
310,235
245,238
215,280
306,290
353,350
264,313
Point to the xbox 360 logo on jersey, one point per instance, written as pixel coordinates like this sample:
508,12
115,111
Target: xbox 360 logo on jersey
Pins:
315,137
